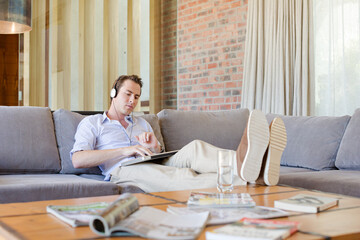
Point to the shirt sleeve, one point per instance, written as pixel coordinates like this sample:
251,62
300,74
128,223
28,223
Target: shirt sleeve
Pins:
85,136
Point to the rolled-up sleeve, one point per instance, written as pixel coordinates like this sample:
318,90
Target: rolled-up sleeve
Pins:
85,137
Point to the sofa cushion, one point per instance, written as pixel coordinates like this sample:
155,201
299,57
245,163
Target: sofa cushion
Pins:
312,142
66,123
348,156
37,187
27,142
222,129
287,170
335,181
153,120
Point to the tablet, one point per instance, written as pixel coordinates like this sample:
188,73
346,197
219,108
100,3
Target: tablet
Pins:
149,158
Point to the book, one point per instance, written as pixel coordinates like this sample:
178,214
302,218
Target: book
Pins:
248,228
141,159
229,215
201,199
306,203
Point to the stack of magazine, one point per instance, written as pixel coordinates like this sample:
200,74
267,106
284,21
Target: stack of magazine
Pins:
123,217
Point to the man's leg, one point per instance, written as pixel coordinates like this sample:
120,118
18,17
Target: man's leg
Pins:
271,164
202,157
199,156
151,177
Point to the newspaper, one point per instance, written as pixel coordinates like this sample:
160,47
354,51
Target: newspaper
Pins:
150,222
228,215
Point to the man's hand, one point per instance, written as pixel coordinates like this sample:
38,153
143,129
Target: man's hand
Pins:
148,140
136,150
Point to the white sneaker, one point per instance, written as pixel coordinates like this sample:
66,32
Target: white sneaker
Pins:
272,158
252,147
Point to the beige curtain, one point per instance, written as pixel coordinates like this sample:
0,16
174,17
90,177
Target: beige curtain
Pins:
278,59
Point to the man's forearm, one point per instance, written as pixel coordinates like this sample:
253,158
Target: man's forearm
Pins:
93,158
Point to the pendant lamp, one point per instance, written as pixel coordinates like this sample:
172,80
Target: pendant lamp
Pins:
15,16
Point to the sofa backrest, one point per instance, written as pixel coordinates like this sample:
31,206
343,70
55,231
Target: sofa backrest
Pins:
27,141
312,142
223,129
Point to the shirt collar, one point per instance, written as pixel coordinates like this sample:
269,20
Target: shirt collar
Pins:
128,118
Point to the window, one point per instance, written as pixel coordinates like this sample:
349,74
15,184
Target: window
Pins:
337,56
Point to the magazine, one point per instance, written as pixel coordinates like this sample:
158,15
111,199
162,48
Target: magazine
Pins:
153,223
77,215
202,199
248,228
306,203
123,217
228,215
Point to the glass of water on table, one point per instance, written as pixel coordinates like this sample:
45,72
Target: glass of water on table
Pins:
225,171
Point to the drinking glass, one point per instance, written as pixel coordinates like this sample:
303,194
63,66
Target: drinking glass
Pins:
225,172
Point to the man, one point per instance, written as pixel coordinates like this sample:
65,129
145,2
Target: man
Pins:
107,140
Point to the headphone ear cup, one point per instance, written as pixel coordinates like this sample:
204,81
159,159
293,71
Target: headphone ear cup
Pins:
113,93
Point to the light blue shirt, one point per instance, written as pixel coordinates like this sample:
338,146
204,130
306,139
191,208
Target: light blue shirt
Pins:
98,132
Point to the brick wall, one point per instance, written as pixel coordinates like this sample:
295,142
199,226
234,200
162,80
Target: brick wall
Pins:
168,53
210,38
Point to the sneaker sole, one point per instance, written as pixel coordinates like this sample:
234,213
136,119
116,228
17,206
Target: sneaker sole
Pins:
277,145
258,141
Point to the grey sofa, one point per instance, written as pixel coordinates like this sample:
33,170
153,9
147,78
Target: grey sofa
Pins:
34,157
35,144
322,153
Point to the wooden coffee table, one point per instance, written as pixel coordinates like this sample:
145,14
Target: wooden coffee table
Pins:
30,220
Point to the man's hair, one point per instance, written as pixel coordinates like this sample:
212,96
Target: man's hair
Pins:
120,81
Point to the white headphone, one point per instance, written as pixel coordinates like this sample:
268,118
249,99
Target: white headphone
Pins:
113,93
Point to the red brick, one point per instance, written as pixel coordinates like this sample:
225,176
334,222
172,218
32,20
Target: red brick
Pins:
212,65
193,45
214,107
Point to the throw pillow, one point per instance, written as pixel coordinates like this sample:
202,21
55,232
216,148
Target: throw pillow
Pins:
312,142
348,156
66,123
153,120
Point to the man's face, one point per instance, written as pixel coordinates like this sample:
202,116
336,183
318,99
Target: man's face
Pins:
127,97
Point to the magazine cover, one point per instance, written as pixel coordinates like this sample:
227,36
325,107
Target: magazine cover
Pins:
77,215
220,199
80,215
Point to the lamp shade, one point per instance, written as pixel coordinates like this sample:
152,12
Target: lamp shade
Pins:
15,16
